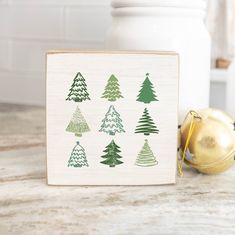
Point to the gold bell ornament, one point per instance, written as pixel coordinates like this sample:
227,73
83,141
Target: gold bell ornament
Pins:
207,141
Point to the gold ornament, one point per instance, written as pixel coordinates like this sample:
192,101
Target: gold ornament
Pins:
208,141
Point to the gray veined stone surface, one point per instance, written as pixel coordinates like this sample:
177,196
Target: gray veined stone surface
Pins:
21,126
197,204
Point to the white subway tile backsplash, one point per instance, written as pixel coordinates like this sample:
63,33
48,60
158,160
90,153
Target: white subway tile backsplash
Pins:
28,28
60,2
218,101
4,54
4,21
33,52
3,2
34,22
26,88
87,23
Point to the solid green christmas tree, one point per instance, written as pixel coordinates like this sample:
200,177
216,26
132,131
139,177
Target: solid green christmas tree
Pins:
78,124
112,90
78,157
146,157
78,91
112,123
146,124
147,92
112,155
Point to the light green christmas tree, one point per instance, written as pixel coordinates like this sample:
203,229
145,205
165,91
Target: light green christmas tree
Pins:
146,157
146,124
112,90
112,123
78,91
78,124
112,157
78,157
147,92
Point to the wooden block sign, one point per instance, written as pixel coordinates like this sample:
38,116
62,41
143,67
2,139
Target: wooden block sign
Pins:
112,118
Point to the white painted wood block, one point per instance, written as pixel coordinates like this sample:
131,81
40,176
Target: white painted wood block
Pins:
74,151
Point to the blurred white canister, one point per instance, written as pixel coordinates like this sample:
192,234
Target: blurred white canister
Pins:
168,25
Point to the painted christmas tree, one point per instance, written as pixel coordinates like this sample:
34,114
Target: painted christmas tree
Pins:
146,157
112,123
78,157
112,91
147,93
112,155
78,91
78,124
146,124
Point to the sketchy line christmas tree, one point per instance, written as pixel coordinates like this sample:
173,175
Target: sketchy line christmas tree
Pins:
78,91
147,92
78,124
146,157
112,123
78,157
112,155
112,91
146,124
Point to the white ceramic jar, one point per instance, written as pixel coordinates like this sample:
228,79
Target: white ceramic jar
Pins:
170,25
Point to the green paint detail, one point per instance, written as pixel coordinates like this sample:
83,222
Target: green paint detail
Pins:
112,155
78,124
112,91
146,124
78,91
147,92
78,157
146,157
112,123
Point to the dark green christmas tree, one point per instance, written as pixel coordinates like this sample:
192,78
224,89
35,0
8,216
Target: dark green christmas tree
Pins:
78,157
78,91
146,124
112,91
147,92
112,155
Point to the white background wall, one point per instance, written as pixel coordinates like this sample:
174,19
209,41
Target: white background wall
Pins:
28,28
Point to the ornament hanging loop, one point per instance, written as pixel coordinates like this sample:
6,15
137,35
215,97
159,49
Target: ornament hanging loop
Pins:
195,117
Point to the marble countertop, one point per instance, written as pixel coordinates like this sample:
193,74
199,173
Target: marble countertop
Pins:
197,204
